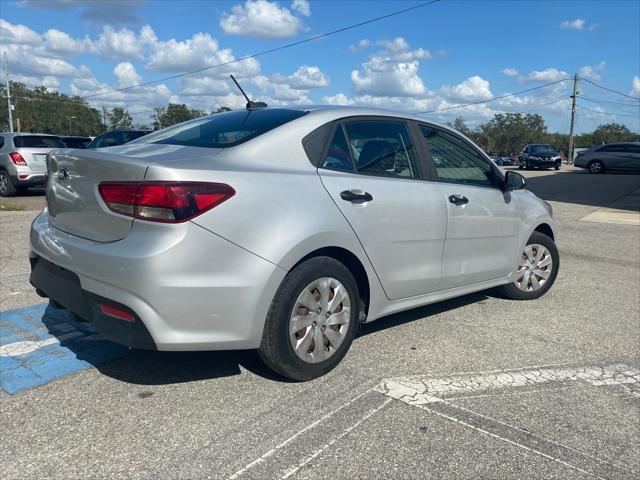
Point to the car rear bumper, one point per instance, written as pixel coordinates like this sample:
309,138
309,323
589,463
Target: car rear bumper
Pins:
22,180
185,287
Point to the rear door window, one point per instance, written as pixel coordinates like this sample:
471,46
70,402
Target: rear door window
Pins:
37,141
224,129
383,148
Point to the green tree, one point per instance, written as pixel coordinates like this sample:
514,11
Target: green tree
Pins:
507,133
41,111
612,132
119,118
174,113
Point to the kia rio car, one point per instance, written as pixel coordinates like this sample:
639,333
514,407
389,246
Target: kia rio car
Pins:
281,229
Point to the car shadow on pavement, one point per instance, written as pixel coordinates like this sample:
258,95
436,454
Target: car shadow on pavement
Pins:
147,367
582,188
397,319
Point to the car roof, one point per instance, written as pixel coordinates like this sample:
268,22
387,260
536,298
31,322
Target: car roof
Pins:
22,134
334,112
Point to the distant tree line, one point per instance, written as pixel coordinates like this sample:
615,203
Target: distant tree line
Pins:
43,111
40,110
507,133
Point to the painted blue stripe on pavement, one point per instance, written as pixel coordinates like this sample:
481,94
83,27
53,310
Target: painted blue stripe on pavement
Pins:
62,346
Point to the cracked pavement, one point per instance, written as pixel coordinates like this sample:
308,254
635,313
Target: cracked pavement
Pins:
475,387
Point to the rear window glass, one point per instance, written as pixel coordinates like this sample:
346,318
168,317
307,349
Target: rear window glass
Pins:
224,129
37,141
76,142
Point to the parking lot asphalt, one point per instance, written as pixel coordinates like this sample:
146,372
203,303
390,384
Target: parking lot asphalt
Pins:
476,387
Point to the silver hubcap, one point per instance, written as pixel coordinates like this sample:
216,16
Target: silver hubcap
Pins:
320,320
3,183
534,268
596,167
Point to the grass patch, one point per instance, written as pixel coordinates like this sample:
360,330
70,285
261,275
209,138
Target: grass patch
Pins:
12,207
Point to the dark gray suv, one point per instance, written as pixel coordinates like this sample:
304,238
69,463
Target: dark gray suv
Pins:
610,157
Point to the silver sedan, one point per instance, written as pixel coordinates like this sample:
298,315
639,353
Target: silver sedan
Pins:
282,229
611,157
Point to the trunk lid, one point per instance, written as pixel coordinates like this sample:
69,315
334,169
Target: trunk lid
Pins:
36,158
73,200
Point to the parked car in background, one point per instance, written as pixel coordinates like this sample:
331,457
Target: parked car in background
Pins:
116,137
497,160
76,141
507,162
205,236
23,160
539,155
611,157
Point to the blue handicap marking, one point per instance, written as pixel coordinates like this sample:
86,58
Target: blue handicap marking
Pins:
39,344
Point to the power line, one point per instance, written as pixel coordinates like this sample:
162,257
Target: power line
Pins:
602,100
609,89
610,114
271,50
492,99
526,110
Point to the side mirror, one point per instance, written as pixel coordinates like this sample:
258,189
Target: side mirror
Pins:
514,181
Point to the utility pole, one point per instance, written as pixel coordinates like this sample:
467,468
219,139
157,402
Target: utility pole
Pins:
573,117
6,77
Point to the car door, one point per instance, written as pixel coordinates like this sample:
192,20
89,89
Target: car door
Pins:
374,173
630,157
612,156
482,227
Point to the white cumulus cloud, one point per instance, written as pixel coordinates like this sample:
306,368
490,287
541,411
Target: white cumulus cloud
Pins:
302,7
472,89
578,24
510,72
260,18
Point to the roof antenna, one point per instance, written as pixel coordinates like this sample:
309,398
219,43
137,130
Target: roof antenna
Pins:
250,105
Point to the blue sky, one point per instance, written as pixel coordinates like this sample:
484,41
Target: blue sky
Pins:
436,57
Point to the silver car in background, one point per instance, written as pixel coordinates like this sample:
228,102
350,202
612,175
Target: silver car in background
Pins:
622,157
281,229
23,160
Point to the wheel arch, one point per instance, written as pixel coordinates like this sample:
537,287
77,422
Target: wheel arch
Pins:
352,262
545,229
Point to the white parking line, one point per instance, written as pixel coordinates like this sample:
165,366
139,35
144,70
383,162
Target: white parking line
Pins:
346,431
22,348
269,453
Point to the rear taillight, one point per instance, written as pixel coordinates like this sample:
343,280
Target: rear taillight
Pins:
17,159
170,202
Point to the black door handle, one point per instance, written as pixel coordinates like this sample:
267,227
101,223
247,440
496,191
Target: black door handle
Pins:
353,197
458,199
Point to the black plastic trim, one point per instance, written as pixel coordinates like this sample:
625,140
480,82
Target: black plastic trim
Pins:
63,286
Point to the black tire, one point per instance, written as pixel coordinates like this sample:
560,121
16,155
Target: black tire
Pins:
596,166
528,166
275,349
6,186
520,167
511,291
556,168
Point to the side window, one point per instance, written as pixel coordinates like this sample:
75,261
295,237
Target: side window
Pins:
383,149
632,149
1,141
338,157
612,148
456,161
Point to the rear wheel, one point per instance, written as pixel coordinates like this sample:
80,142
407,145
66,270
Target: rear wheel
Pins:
596,166
536,271
6,187
312,320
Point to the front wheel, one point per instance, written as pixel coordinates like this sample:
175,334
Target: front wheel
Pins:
536,271
312,320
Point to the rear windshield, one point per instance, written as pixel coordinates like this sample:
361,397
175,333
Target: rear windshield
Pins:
37,141
76,142
223,129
